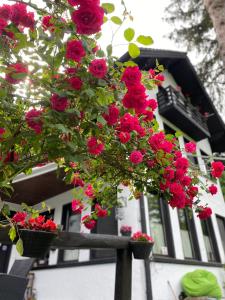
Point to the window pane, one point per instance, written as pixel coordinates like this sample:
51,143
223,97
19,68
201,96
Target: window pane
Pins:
221,224
156,225
73,226
208,241
185,235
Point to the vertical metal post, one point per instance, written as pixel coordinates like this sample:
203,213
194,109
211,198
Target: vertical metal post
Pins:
123,283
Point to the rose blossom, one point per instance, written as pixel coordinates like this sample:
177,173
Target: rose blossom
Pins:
59,103
77,206
204,212
100,212
217,169
131,76
5,11
16,69
75,50
88,222
83,2
94,146
3,24
213,189
190,147
136,157
113,115
33,120
124,137
88,19
2,131
75,83
98,68
19,217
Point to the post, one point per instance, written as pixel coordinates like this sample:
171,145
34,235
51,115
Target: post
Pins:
123,283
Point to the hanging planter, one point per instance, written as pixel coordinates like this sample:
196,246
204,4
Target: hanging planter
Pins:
125,230
141,250
141,245
36,243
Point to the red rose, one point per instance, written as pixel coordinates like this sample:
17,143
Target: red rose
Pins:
98,68
112,116
19,217
18,11
94,146
88,19
213,189
83,2
49,225
5,12
190,147
28,20
3,24
2,130
204,212
75,50
217,169
136,157
124,137
88,222
131,76
75,83
77,206
15,70
33,120
59,103
100,212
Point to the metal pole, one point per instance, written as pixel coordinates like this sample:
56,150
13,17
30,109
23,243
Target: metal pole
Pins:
123,284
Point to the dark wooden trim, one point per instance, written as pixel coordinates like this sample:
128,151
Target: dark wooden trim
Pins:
73,240
123,284
169,260
148,280
73,264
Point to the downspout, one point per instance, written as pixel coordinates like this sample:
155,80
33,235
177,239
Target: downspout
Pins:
146,261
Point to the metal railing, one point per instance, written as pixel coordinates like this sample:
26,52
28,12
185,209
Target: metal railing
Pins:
169,96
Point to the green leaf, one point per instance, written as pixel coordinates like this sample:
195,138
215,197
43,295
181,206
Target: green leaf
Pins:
108,7
19,246
12,233
178,134
145,40
133,50
105,19
130,63
116,20
43,205
129,34
101,120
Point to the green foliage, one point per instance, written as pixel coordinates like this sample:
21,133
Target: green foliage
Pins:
12,233
19,246
133,50
192,28
145,40
108,7
129,34
116,20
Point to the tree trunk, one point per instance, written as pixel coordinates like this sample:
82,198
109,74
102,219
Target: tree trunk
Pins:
216,10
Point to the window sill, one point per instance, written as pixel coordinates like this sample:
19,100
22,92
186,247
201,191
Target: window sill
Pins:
172,260
76,264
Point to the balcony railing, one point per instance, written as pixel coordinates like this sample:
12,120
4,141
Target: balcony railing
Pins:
179,111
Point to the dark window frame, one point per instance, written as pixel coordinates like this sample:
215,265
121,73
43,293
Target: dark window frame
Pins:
167,229
212,239
193,236
223,220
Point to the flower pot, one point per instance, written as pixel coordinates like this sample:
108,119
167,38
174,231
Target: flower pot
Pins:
128,233
36,243
140,249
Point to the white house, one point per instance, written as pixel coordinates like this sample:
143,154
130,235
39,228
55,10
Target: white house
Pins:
182,244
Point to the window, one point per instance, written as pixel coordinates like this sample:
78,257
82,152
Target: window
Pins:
221,225
71,223
160,225
188,235
210,241
107,225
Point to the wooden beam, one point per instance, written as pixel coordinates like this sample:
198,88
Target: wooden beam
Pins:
72,240
123,284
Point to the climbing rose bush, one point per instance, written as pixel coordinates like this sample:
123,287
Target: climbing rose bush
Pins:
65,100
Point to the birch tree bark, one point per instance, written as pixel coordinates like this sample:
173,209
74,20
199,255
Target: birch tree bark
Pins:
216,10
